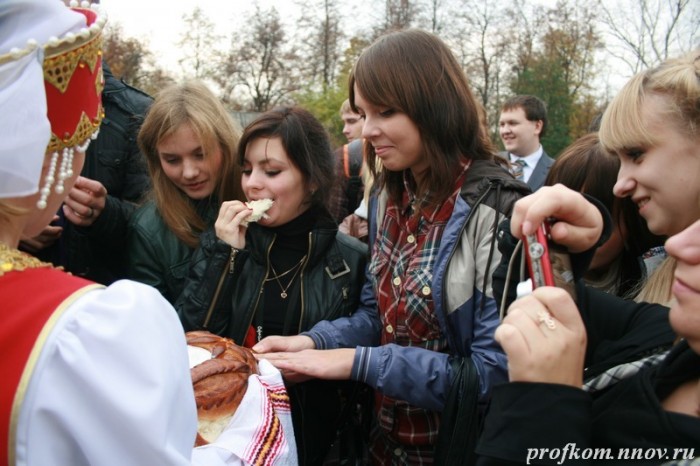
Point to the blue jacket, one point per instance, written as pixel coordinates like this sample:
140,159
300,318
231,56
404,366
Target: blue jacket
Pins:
464,303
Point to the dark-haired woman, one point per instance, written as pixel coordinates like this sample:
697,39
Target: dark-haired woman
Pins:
287,271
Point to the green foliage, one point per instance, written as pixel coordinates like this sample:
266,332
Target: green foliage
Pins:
554,92
325,106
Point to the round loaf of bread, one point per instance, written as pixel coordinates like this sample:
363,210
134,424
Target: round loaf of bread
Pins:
219,381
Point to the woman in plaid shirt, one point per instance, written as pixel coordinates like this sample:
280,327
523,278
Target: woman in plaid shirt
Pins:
428,295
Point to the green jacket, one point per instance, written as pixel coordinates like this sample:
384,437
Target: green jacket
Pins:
156,256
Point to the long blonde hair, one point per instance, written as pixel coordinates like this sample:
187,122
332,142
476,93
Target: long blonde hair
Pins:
194,104
657,288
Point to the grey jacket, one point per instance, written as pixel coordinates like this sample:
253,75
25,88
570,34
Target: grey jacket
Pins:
464,303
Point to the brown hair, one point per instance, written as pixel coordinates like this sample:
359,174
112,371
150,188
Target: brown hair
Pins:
194,104
306,143
415,72
535,109
585,166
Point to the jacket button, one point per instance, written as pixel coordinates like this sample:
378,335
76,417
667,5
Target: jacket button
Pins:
397,281
389,329
411,239
425,290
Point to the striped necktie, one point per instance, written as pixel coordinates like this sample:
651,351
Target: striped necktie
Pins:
517,169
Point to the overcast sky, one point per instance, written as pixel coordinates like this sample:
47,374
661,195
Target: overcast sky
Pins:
159,22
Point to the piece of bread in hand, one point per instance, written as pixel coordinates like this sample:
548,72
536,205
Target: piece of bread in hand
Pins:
259,207
220,371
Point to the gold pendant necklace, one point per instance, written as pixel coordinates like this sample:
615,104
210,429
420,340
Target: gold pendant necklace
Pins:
14,259
277,276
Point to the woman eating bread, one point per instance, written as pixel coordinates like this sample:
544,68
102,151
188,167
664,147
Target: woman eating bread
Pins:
279,261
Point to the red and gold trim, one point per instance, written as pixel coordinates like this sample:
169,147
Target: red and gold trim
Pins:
26,326
74,82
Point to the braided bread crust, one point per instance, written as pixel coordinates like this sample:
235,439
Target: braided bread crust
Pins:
219,383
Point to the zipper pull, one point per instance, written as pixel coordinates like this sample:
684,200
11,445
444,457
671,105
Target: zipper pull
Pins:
232,260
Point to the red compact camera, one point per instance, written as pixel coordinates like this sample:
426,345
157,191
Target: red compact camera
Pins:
537,257
547,263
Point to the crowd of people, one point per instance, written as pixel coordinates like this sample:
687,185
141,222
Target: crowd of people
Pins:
382,289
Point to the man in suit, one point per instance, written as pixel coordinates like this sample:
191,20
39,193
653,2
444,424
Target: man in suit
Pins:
522,123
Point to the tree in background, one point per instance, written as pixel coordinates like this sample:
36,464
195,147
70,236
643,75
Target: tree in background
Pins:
646,32
322,40
481,39
228,73
325,103
568,55
130,60
561,71
399,14
437,16
198,44
266,62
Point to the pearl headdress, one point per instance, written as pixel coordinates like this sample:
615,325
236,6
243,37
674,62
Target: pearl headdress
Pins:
68,45
74,83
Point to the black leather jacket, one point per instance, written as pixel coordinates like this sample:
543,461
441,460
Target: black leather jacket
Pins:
97,252
222,289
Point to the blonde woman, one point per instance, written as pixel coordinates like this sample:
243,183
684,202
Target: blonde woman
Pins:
190,142
644,399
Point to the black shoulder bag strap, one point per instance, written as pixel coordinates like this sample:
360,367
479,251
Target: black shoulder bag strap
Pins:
353,164
459,422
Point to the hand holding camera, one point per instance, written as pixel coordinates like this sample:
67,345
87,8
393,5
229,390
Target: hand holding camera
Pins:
548,264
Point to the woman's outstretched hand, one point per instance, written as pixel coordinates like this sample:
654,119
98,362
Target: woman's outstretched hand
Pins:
335,364
276,343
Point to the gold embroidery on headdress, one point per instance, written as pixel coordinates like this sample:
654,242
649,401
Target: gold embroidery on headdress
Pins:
60,64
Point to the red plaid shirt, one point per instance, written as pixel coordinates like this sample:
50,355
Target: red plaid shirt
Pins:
402,264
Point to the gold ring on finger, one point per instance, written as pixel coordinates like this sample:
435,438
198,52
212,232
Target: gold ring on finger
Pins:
546,318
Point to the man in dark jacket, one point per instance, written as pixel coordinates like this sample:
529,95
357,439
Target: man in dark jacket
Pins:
88,234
